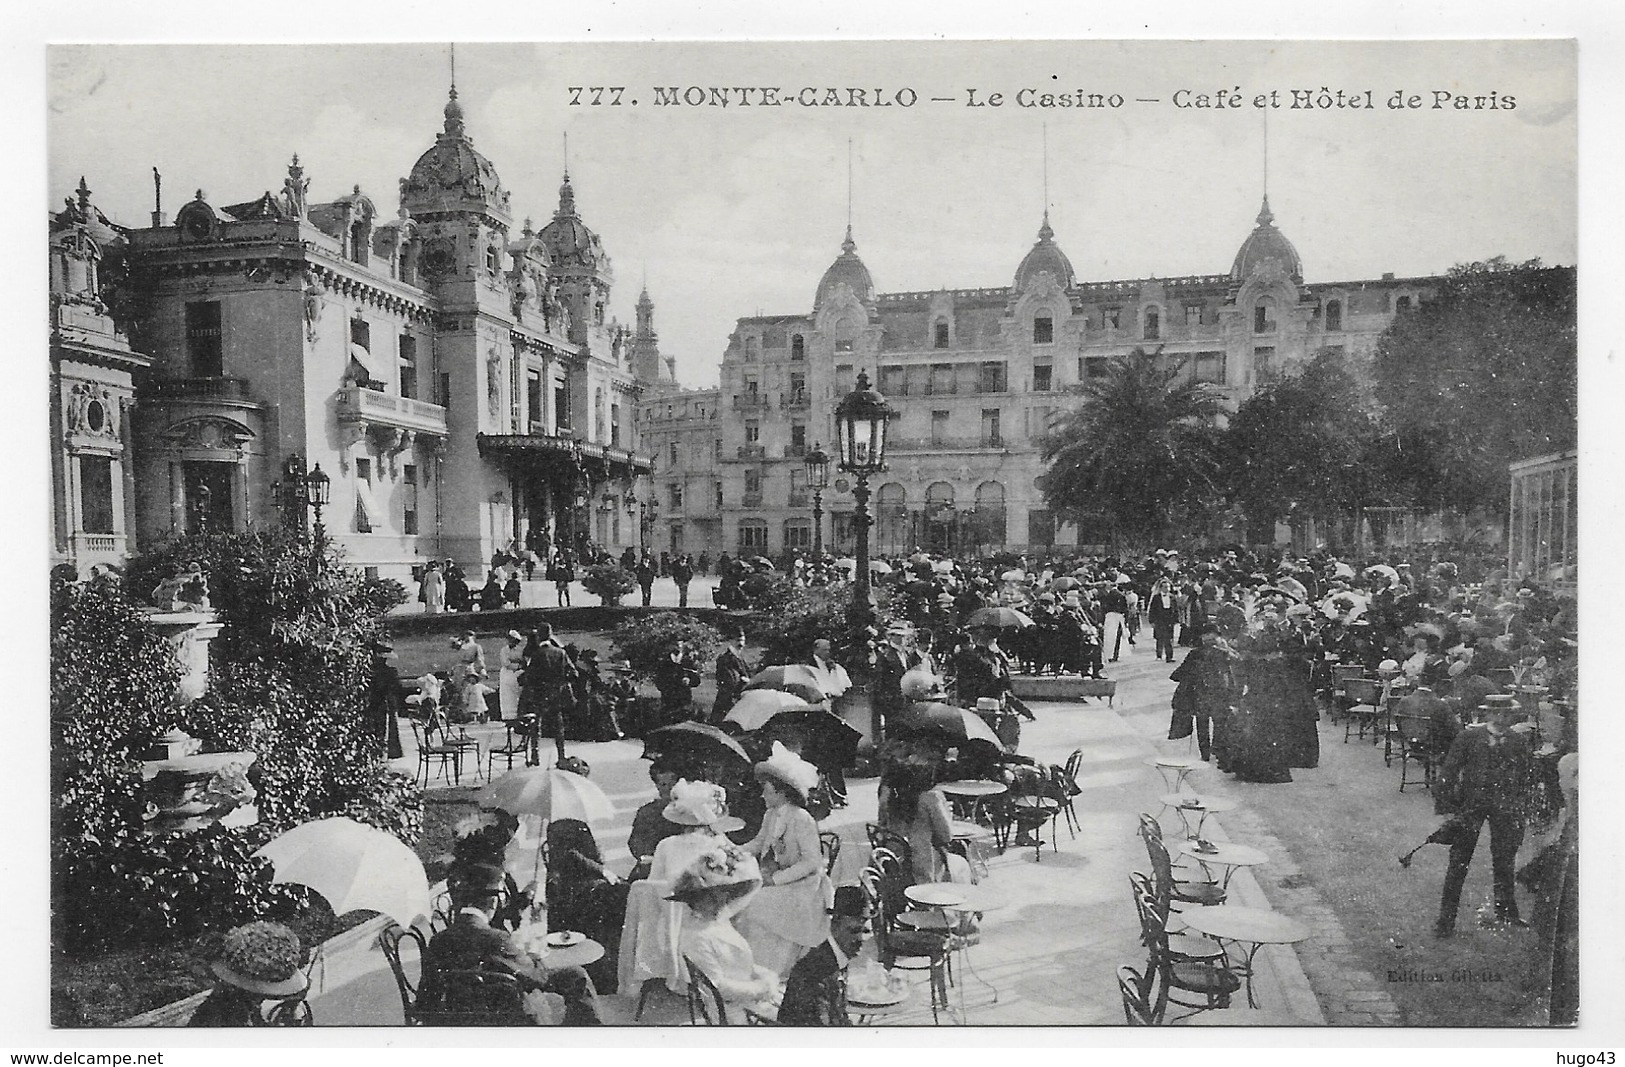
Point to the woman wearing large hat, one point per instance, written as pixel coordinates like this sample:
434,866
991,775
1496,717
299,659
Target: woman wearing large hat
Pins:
258,962
714,887
790,914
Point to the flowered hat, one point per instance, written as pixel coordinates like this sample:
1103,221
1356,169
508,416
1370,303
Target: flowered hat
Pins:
263,958
790,770
727,867
696,803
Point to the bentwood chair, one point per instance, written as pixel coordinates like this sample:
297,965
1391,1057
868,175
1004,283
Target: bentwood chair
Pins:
1069,782
1339,696
292,1011
471,998
1153,907
516,746
899,947
449,758
1211,980
390,941
1136,993
1363,707
892,841
1176,891
829,843
705,1001
1415,734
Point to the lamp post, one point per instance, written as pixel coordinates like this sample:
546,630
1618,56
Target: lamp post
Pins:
317,488
633,509
606,508
817,463
860,432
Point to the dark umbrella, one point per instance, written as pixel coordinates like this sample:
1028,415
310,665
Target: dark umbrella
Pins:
998,618
827,740
696,740
1450,831
955,723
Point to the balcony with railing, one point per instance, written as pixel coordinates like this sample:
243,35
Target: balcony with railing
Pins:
359,404
795,401
944,443
198,389
751,402
750,452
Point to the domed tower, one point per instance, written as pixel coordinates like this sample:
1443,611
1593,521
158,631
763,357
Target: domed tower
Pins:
847,270
1263,245
460,206
1045,257
647,363
581,268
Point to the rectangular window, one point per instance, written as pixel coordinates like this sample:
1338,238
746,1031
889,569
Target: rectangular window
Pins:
753,432
1092,367
204,343
843,379
717,451
1113,317
674,494
942,379
993,377
753,535
615,425
1209,367
991,437
409,498
797,534
939,428
1153,324
798,347
1334,316
409,366
1264,316
893,382
940,339
753,388
798,439
798,388
753,481
1193,315
1043,330
673,451
561,406
1043,378
1264,362
96,494
717,488
363,493
445,391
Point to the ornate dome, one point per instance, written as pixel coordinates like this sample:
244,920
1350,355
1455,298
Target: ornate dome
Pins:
569,242
847,270
1045,255
1263,244
451,176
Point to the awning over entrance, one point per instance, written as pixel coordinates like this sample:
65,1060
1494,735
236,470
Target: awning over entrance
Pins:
602,460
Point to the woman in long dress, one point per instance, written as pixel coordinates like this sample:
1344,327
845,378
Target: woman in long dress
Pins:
434,590
713,888
513,666
791,912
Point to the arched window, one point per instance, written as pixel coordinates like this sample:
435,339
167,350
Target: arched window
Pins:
1334,316
940,334
1043,328
988,529
1153,324
752,535
1264,315
1402,304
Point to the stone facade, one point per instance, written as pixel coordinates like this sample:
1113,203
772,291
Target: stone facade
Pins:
976,376
459,382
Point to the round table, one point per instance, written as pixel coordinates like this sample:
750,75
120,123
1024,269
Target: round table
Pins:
1226,853
937,894
974,790
1179,766
1204,806
867,1012
583,952
1253,927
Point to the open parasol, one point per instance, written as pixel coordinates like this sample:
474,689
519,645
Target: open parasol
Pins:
1062,584
353,867
695,740
549,793
788,674
757,706
879,566
943,566
1013,576
825,739
956,723
998,618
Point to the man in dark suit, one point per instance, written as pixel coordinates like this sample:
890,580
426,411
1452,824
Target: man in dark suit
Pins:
892,661
1486,778
645,574
682,572
1162,608
815,991
675,677
472,943
546,689
384,700
733,674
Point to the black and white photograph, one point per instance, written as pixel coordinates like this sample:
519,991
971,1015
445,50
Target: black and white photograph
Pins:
901,534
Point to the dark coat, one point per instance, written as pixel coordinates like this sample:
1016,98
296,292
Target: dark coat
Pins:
733,673
471,943
1485,774
384,705
815,991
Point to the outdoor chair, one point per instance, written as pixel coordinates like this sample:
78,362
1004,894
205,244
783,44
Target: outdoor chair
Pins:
1136,993
1362,707
1339,696
453,736
1416,746
705,1001
1177,891
448,757
390,941
1153,907
829,843
1212,981
1069,779
471,998
891,841
901,948
517,745
294,1011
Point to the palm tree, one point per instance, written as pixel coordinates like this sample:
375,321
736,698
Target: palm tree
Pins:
1139,447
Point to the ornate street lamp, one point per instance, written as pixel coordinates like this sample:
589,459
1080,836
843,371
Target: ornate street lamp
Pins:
317,487
817,463
860,434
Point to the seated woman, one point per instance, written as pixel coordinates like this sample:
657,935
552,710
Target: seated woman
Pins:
714,887
919,811
258,962
583,895
790,915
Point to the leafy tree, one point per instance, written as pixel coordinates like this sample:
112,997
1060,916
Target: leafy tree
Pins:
609,582
1305,446
1481,376
648,639
1139,447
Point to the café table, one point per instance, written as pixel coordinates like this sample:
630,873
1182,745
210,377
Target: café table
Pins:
968,794
951,897
1251,928
1174,770
580,952
1203,806
1226,854
976,838
868,1011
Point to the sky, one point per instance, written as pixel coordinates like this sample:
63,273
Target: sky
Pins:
731,211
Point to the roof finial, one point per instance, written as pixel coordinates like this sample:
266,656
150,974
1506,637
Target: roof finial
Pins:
453,48
454,110
849,188
1265,216
84,196
1045,129
566,156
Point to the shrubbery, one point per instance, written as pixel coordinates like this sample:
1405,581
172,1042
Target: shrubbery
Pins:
609,582
805,616
646,641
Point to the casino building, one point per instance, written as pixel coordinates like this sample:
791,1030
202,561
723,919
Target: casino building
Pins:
453,373
975,375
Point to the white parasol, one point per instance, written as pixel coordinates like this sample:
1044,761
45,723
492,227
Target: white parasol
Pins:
353,867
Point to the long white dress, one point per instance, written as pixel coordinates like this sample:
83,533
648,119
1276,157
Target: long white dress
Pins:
785,919
654,925
513,661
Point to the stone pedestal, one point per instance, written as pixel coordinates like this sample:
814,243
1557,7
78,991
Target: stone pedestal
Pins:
189,632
